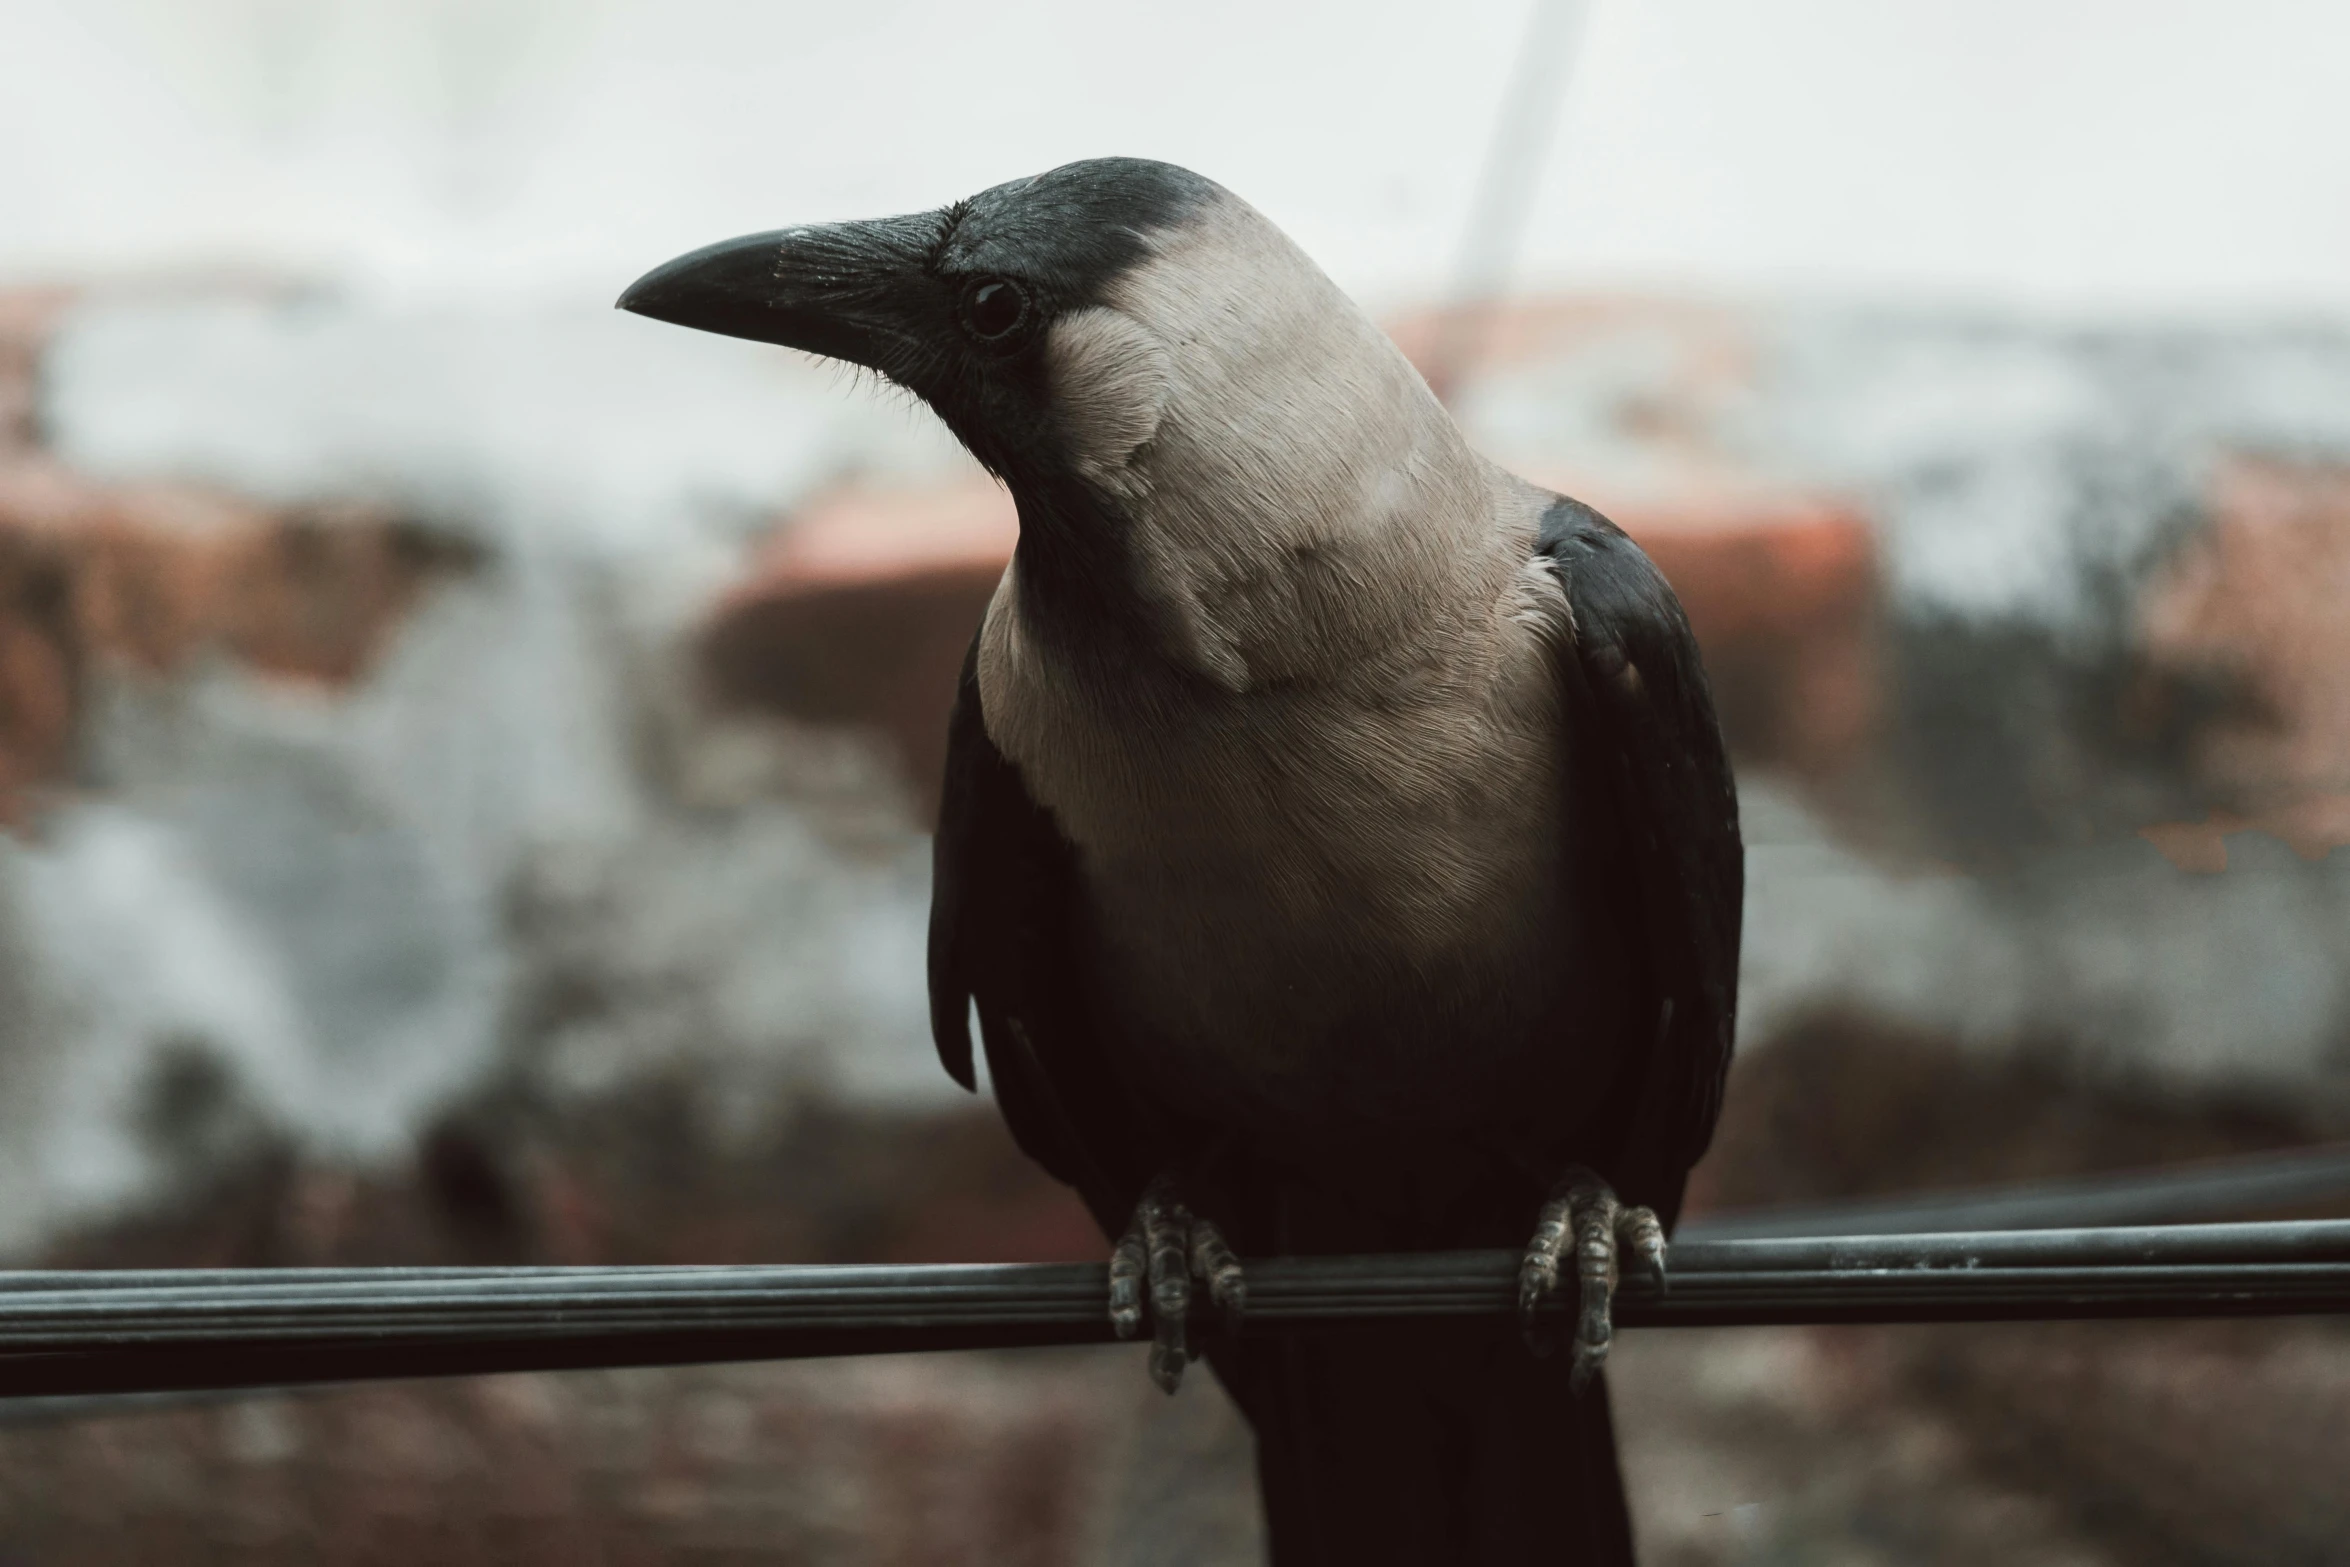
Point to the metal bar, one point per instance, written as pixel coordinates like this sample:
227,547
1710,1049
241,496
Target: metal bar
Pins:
81,1333
1504,194
2206,1189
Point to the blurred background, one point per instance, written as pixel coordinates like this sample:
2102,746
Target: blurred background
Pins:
466,755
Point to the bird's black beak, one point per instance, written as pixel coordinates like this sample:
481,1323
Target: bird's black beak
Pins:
853,291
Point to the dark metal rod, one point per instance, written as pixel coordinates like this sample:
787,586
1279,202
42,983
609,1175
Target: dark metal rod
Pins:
1504,193
25,1292
76,1333
2202,1190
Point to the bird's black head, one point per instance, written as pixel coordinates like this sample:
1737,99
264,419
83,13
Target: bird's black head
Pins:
1187,410
956,305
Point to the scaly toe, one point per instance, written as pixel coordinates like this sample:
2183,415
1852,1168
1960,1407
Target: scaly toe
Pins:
1215,1264
1595,1266
1538,1273
1167,1228
1640,1232
1129,1267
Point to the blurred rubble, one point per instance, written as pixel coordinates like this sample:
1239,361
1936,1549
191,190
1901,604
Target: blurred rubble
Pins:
969,1460
467,778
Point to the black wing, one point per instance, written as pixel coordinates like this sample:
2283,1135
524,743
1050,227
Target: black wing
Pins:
1636,691
1004,906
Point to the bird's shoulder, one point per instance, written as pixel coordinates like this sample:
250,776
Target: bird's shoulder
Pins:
1634,687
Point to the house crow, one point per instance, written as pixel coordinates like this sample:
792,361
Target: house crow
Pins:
1338,849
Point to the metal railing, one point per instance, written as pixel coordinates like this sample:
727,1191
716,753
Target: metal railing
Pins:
148,1331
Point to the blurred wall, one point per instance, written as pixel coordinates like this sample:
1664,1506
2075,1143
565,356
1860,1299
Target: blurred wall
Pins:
2084,153
414,674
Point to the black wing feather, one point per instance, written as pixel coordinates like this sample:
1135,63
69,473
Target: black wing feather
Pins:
1004,908
1636,690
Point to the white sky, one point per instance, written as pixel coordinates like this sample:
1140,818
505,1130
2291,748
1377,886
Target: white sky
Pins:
2062,153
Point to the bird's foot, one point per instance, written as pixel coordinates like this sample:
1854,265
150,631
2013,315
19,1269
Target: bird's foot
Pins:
1584,1211
1166,1248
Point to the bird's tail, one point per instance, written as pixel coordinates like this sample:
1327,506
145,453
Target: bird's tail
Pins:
1399,1443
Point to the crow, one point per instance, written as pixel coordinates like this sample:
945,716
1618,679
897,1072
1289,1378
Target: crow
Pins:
1338,848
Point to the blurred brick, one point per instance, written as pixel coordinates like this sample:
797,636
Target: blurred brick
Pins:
1707,350
862,610
146,577
865,533
1784,594
2255,603
860,613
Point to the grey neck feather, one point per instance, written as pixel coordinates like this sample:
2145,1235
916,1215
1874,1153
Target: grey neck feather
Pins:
1291,497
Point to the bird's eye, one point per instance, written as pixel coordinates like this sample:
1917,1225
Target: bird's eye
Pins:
994,308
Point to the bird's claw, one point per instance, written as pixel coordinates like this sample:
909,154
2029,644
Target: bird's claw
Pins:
1165,1249
1583,1211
